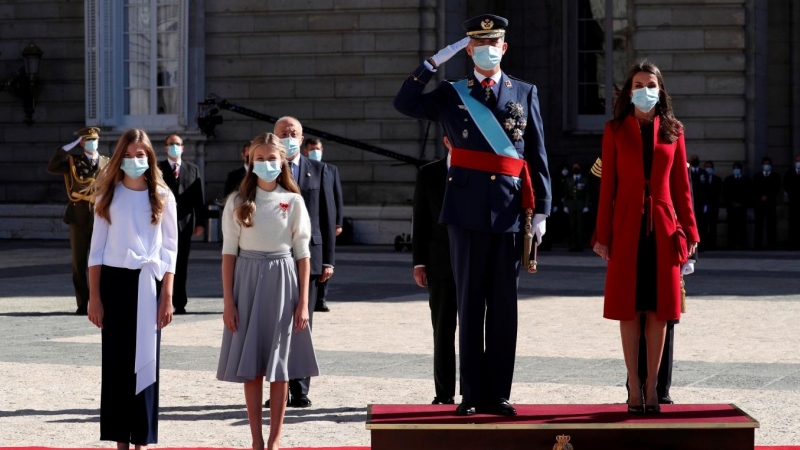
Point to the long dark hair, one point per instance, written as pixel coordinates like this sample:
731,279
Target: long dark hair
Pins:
112,174
670,127
247,190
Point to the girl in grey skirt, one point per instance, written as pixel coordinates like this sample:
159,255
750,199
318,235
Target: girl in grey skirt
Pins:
265,273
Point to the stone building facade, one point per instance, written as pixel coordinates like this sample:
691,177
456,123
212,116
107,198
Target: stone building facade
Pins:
731,66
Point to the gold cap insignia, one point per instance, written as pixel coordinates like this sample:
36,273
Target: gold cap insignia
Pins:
89,133
487,24
562,443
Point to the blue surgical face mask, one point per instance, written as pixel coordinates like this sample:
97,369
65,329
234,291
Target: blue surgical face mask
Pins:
175,150
90,146
267,170
316,155
292,146
767,167
710,170
645,98
134,167
797,165
487,57
737,172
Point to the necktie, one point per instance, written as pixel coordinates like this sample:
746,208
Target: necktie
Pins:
176,171
295,171
487,84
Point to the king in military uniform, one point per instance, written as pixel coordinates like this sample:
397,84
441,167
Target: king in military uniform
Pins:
498,161
79,162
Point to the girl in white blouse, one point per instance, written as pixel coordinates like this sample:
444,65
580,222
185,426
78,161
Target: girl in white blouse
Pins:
266,231
132,258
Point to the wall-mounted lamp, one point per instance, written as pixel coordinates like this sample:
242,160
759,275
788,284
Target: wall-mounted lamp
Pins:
23,83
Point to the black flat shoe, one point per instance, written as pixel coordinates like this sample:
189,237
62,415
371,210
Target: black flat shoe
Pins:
322,308
665,400
465,409
266,403
81,311
300,402
179,311
443,401
501,407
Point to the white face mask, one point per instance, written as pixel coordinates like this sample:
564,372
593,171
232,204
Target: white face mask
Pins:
292,146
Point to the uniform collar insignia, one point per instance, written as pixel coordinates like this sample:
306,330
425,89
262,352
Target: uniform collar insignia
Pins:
508,83
471,82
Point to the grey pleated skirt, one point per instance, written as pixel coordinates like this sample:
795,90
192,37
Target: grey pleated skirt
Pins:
265,293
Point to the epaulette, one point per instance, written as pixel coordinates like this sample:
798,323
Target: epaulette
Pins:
597,168
519,79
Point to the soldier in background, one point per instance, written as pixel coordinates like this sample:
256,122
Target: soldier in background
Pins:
708,215
79,162
736,196
236,176
577,197
791,184
766,185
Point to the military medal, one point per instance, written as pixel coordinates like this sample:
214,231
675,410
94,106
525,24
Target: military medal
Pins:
517,134
515,109
465,134
488,92
522,123
284,209
509,124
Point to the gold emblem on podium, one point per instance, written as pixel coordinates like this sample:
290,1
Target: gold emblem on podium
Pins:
562,443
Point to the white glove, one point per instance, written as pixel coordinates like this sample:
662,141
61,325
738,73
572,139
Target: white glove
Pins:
539,226
566,210
688,268
586,209
72,145
448,52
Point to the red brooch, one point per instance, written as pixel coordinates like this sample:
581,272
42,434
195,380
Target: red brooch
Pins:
284,208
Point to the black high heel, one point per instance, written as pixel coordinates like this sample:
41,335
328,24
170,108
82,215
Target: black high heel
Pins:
636,410
652,409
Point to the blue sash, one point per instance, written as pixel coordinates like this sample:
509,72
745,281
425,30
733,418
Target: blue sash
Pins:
486,121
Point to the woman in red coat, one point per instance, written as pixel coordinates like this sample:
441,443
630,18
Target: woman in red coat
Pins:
645,199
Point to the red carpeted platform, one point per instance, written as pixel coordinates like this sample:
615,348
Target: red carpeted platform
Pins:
688,427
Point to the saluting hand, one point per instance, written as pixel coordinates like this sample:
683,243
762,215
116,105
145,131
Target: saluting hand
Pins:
448,52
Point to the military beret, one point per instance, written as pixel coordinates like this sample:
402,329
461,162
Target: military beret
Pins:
89,133
486,26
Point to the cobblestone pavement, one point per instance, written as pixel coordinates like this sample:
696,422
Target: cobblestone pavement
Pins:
738,343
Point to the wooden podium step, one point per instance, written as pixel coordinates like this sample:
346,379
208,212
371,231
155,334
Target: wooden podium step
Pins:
538,427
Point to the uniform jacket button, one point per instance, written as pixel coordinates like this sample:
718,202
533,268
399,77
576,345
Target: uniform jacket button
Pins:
493,177
450,179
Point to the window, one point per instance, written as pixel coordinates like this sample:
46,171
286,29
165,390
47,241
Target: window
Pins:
136,62
596,60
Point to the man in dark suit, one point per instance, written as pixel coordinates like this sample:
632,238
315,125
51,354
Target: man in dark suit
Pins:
312,149
236,176
79,163
766,186
183,179
312,178
708,215
695,175
736,195
498,160
432,269
791,183
577,198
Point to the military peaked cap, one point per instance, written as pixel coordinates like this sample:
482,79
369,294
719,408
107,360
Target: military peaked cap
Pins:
89,133
486,26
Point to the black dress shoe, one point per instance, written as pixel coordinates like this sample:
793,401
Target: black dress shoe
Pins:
180,311
501,407
321,307
465,409
665,400
301,401
82,311
443,401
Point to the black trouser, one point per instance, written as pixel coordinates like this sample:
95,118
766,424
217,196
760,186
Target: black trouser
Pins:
708,229
322,291
300,386
794,225
576,218
737,227
486,270
179,297
80,238
444,312
766,215
665,369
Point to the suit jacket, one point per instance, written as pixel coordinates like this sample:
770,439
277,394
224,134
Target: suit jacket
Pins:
79,213
317,193
791,183
696,183
338,198
737,191
712,192
619,215
577,194
430,243
766,186
234,179
188,192
474,199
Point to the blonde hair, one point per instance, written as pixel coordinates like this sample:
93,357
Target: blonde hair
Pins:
246,195
112,174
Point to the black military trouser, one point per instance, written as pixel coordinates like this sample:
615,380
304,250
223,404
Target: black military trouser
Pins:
794,225
737,227
80,238
576,218
179,296
444,312
300,386
765,215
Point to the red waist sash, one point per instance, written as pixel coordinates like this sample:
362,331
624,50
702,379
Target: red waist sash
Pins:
492,162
